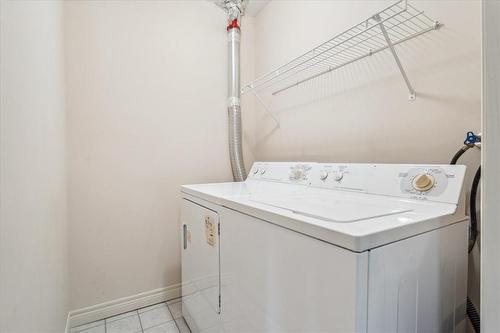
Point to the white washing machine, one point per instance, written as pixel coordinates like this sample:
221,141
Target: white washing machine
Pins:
326,247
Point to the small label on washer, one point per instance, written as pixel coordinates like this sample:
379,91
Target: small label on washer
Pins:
210,230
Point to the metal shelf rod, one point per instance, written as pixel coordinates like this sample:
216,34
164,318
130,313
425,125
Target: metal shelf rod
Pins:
396,58
276,120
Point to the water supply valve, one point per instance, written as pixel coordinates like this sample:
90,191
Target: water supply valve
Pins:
472,139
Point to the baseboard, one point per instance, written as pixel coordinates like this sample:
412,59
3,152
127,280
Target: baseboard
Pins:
121,305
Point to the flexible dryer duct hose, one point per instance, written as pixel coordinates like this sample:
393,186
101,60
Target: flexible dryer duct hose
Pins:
235,150
234,108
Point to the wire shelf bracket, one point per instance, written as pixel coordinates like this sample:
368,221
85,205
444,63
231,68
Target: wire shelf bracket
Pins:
264,106
394,25
412,95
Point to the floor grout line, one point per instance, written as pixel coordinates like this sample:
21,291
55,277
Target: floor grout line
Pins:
172,315
140,321
136,312
106,320
162,324
185,323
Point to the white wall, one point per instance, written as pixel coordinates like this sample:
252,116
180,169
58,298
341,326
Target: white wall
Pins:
490,282
361,112
146,99
33,247
145,96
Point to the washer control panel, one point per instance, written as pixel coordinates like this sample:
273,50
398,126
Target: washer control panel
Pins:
441,183
283,172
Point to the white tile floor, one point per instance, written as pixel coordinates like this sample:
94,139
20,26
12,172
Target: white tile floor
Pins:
159,318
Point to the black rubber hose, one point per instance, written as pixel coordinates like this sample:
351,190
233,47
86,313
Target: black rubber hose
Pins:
472,312
472,207
459,153
473,316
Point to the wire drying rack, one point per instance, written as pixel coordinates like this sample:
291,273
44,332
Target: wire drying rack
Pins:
394,25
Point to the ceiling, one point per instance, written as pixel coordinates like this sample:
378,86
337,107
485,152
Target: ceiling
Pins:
255,6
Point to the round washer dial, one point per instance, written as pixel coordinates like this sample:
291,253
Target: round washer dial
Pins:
423,182
339,175
430,181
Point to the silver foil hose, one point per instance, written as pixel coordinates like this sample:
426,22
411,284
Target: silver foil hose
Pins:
235,144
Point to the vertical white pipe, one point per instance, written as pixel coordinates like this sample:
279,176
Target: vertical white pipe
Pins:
234,108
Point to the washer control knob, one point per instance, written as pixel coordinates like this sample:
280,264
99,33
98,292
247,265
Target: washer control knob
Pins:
423,182
338,176
323,175
263,171
256,171
296,174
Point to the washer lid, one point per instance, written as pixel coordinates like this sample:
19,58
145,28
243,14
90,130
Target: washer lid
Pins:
336,208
